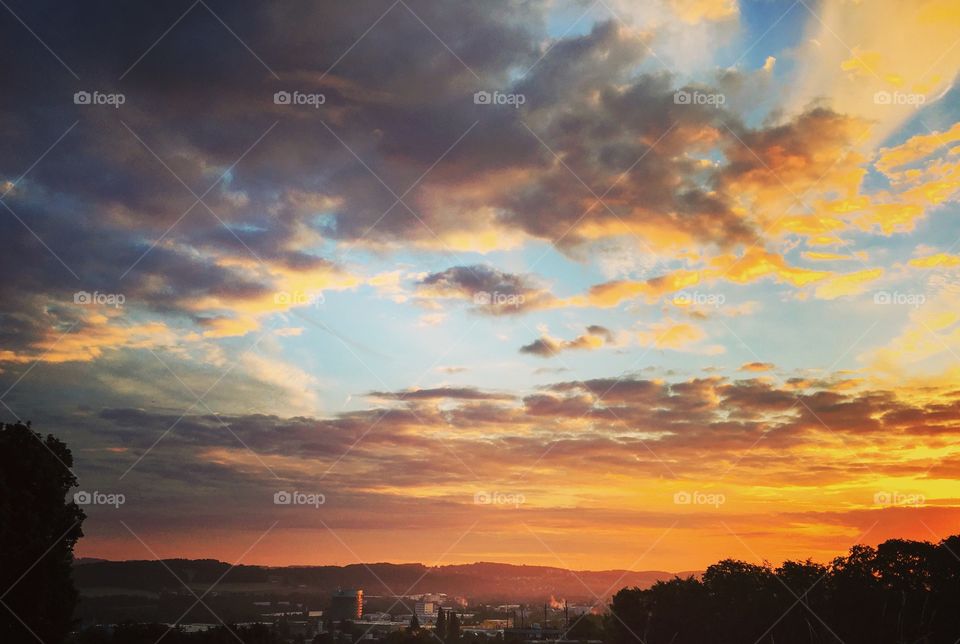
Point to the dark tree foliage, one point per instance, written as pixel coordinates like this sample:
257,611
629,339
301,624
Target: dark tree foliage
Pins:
152,633
453,629
900,592
38,530
406,637
440,629
585,627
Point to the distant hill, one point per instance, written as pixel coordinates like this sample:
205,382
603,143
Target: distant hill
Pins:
79,561
479,581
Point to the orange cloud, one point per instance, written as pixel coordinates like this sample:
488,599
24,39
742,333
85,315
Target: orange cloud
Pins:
756,264
545,346
225,327
807,225
831,257
847,284
917,148
612,293
677,336
694,11
753,265
937,260
90,338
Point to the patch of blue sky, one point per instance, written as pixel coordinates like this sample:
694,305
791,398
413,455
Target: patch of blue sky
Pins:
572,19
937,115
770,28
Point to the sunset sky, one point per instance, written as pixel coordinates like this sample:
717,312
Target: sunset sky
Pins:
685,287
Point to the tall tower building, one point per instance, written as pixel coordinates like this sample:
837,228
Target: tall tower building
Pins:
346,604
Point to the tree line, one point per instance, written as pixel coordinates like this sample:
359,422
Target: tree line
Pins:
897,593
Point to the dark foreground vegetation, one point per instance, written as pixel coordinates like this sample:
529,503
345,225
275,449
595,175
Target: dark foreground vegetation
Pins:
38,530
902,592
153,633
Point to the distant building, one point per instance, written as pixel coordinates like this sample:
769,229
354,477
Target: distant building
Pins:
346,604
427,611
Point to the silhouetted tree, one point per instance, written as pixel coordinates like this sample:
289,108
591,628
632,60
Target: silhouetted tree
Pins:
414,624
585,627
38,530
453,628
901,592
441,627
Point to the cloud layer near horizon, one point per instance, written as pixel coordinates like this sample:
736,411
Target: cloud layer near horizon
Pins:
571,444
